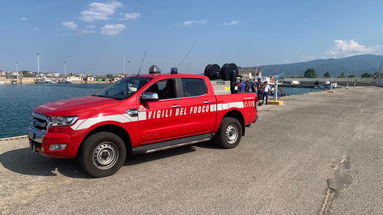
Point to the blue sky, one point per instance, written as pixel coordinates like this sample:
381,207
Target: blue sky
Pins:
93,36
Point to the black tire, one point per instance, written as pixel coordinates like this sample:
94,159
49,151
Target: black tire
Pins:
228,71
212,71
224,73
229,133
235,71
102,154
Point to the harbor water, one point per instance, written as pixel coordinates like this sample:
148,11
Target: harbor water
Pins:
18,101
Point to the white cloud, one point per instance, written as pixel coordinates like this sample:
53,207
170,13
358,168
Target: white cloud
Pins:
23,19
90,26
83,32
112,29
234,22
345,48
100,11
195,22
130,16
70,25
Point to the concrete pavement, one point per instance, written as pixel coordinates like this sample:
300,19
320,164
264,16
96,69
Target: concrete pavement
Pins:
282,166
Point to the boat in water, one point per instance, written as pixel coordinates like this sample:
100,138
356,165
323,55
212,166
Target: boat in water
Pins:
44,80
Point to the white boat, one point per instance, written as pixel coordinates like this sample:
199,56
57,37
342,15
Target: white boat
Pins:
327,85
44,80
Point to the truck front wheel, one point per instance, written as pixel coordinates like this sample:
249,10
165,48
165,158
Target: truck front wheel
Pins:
102,154
229,134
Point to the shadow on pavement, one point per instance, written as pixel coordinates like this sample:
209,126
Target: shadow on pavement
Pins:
25,161
208,145
138,159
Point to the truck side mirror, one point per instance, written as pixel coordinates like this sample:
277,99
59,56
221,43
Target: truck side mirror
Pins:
149,97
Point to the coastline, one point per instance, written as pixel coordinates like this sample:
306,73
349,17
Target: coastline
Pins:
13,138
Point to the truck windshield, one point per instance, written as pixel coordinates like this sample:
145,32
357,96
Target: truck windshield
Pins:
123,88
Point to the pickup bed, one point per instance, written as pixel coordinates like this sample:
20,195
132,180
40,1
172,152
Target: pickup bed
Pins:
139,114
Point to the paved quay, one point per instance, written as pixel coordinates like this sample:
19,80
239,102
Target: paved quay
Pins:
320,153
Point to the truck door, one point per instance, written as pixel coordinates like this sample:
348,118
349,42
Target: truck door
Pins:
161,122
198,115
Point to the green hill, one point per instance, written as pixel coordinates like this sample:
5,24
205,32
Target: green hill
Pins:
356,65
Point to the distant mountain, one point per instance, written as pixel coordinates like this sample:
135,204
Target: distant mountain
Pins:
356,65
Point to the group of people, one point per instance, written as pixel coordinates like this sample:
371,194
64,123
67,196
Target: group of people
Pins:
261,88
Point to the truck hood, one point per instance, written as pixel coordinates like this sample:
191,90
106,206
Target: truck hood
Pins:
71,107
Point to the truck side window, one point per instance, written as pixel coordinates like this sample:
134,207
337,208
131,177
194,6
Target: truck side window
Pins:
193,86
164,88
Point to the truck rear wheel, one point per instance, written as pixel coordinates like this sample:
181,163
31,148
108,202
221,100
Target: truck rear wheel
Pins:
229,134
102,154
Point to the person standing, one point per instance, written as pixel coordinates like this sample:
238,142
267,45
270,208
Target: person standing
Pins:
250,86
242,87
259,87
266,89
253,86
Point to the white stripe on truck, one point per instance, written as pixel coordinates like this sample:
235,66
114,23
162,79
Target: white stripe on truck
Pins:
124,118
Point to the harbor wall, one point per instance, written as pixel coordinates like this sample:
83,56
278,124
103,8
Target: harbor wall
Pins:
321,81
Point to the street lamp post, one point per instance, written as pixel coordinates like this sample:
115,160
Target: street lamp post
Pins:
128,67
124,66
38,64
65,69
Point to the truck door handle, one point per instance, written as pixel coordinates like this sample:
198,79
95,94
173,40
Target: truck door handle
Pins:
132,112
207,102
175,106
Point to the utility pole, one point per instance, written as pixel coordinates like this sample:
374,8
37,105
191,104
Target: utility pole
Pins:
124,66
129,67
38,64
65,69
276,88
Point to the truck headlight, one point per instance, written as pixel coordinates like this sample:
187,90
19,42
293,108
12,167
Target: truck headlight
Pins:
62,120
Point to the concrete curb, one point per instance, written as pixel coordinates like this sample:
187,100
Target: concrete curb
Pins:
13,138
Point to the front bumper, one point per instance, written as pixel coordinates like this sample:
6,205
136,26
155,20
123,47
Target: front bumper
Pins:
40,141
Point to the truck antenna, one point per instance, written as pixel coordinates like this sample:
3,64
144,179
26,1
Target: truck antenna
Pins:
141,64
187,54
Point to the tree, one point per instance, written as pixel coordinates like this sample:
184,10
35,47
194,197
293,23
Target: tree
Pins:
327,75
366,75
110,76
341,75
27,74
310,73
351,76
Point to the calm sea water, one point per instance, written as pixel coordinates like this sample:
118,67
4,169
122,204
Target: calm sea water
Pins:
18,101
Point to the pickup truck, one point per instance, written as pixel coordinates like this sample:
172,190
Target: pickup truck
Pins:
139,114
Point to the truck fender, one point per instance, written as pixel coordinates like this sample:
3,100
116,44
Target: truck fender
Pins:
235,114
113,128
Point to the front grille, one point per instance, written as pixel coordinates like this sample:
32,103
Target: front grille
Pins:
39,122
